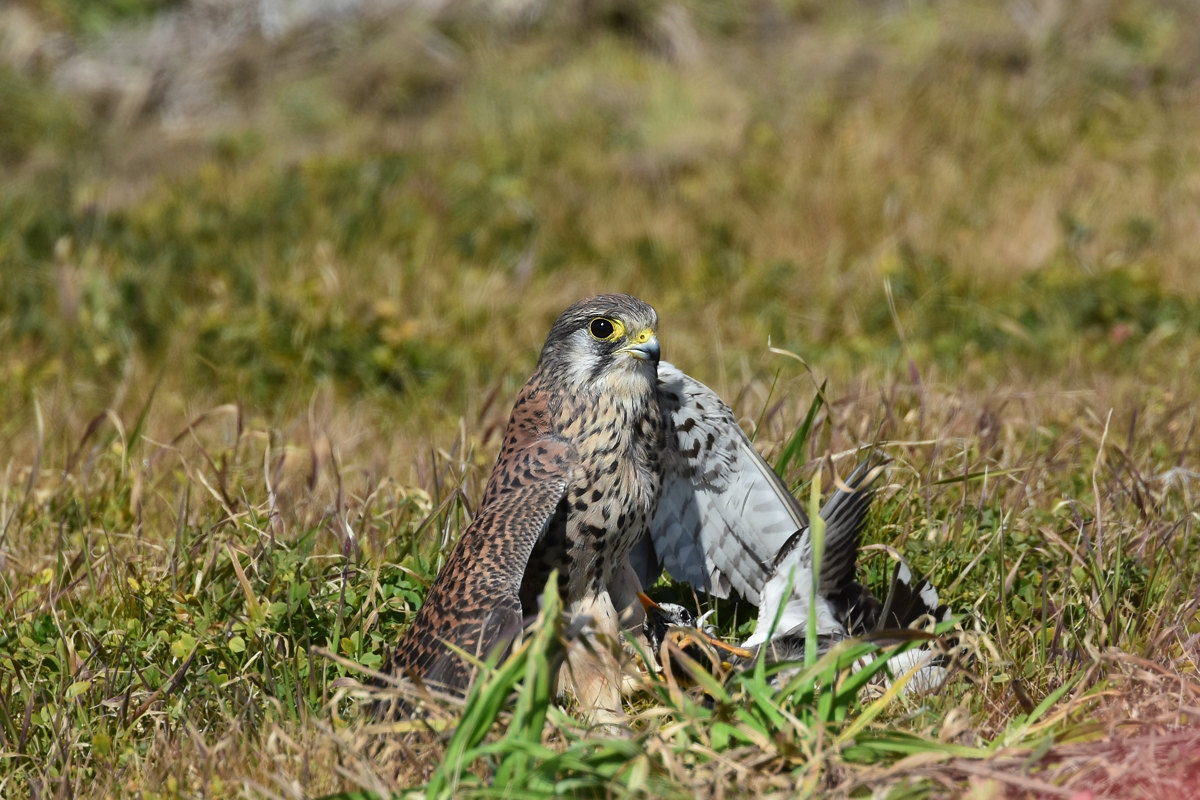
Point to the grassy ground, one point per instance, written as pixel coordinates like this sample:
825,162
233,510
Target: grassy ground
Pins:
264,311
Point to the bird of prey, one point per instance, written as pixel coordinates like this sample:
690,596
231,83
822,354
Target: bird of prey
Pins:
613,465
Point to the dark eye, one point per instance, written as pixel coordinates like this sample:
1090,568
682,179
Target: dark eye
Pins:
601,328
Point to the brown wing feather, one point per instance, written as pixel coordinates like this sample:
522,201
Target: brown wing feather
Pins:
474,602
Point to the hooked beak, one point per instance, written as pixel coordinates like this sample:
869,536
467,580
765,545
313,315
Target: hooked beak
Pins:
643,347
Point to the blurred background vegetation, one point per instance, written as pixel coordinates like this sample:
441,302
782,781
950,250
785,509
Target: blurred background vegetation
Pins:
394,201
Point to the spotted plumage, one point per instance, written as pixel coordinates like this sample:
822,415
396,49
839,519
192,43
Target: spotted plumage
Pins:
573,489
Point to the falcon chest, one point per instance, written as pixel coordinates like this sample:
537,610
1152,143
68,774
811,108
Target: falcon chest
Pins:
619,440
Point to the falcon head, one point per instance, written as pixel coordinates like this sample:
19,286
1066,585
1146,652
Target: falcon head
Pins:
604,343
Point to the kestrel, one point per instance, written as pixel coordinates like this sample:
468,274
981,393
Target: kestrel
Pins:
613,465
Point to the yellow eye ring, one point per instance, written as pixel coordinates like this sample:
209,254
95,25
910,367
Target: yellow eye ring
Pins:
606,329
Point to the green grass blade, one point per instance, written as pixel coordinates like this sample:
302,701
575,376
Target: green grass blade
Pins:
794,449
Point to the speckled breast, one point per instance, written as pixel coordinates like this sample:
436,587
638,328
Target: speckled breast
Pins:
609,509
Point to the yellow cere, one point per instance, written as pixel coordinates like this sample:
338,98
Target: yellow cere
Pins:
646,335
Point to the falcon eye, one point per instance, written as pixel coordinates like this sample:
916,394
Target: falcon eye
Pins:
605,329
601,328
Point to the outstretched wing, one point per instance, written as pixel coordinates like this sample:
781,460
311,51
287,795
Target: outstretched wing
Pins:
910,599
723,513
725,519
474,603
844,514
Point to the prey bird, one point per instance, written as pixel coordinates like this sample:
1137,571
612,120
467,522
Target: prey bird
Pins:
787,586
843,608
613,465
671,627
852,612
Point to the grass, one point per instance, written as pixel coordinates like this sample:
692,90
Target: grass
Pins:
258,347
